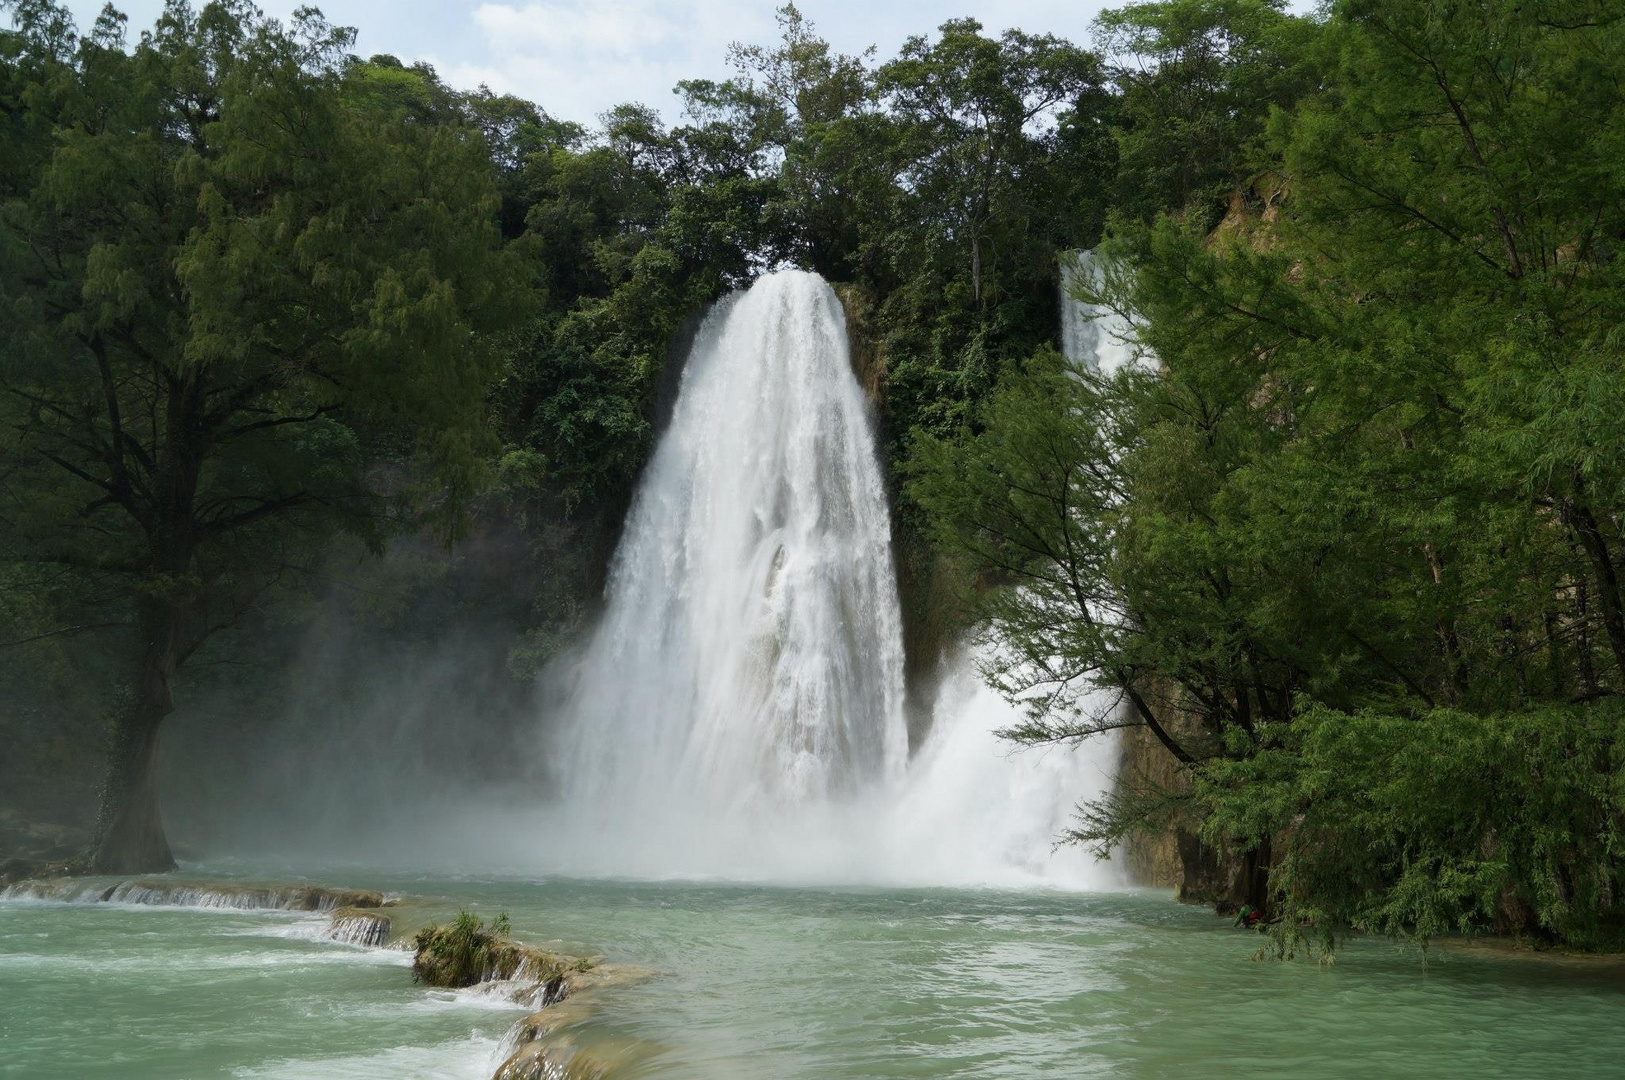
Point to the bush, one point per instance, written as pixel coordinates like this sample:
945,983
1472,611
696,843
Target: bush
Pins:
1443,823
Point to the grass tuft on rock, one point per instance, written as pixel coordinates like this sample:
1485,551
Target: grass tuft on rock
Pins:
460,953
467,951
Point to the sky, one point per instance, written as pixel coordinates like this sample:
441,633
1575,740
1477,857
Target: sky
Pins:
576,58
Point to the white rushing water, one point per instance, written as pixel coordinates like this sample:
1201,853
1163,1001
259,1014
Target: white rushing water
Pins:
739,711
752,649
1091,335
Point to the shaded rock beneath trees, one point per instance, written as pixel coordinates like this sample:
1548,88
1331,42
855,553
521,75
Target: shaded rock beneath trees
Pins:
15,871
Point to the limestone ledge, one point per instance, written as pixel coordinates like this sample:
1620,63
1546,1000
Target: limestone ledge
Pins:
556,1043
553,1042
168,893
360,926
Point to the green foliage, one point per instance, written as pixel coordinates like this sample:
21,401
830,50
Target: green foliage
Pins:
1032,501
1348,541
1198,79
1002,157
459,954
1352,550
232,278
1446,822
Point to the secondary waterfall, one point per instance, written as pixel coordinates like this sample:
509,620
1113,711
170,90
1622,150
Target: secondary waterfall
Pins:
1091,334
739,711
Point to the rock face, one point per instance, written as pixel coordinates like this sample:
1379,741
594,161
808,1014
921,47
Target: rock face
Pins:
1224,879
1175,857
864,347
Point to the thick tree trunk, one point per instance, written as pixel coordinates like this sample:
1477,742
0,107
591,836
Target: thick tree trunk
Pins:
130,832
129,829
130,835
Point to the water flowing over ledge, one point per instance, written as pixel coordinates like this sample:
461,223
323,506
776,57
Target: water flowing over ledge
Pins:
312,898
739,712
558,993
751,652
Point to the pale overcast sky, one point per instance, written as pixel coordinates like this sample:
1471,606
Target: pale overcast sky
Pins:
576,58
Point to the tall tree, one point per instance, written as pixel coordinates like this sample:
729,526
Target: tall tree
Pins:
1196,80
978,115
226,272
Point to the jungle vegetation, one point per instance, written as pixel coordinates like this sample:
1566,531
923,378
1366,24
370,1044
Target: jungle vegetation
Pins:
1347,541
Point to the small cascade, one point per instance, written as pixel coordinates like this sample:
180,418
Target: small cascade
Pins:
58,891
350,926
181,894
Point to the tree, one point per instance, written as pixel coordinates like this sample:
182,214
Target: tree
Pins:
230,283
1361,528
820,117
977,117
1196,82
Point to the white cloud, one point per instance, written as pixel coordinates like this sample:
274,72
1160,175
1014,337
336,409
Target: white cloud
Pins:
577,58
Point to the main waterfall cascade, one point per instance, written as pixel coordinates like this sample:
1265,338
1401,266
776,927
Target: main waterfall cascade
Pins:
739,711
752,646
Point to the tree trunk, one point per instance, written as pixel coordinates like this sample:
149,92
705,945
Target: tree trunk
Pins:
1584,523
1256,884
976,271
129,831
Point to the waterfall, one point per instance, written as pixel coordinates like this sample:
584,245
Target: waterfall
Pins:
751,652
1005,808
1091,335
739,710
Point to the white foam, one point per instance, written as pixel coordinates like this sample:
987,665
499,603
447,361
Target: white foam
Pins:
473,1058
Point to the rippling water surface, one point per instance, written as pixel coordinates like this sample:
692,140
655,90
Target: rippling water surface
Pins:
761,982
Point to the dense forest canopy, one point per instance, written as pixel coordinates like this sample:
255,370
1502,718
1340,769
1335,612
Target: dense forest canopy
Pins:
1347,541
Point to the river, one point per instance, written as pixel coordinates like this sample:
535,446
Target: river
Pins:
759,982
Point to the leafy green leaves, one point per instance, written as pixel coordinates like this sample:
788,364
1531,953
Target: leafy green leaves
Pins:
1443,823
1364,534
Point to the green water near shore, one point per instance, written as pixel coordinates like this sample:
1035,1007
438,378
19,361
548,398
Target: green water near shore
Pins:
760,982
